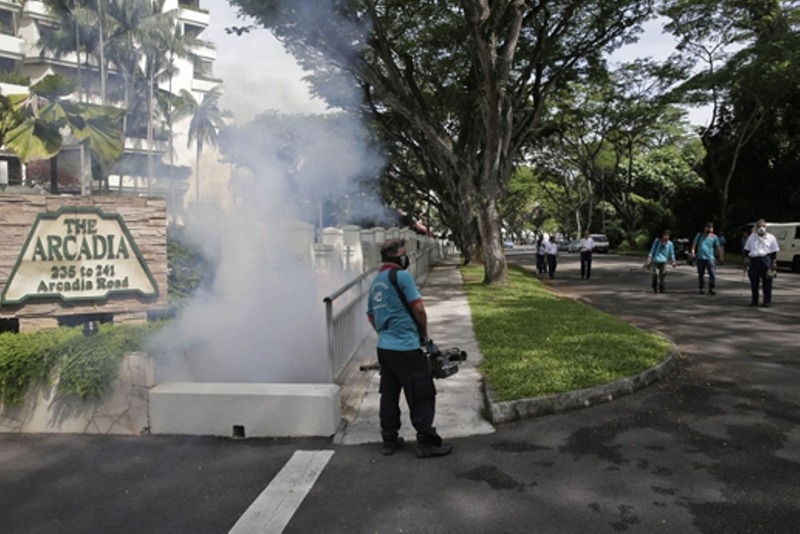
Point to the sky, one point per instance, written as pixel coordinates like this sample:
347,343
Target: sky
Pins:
259,75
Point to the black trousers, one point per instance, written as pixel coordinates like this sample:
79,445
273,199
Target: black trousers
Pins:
552,263
759,267
407,371
586,264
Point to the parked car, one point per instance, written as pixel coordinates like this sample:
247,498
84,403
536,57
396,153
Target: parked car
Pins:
508,244
601,244
562,246
574,246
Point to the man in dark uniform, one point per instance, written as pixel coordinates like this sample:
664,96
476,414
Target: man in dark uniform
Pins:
403,364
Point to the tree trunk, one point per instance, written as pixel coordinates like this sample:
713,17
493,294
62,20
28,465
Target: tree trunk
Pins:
197,171
150,83
54,175
103,68
494,258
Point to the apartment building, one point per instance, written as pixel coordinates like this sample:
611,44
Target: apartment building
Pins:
174,174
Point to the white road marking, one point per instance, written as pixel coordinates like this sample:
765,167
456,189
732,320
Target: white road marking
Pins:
274,508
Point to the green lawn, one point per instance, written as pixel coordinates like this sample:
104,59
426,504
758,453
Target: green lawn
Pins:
535,343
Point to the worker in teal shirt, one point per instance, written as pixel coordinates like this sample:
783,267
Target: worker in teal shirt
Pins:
402,328
705,247
661,252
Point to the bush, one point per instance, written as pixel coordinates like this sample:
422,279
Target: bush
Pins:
14,78
188,269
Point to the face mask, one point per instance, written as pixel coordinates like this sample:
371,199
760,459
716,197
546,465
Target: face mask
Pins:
402,261
761,230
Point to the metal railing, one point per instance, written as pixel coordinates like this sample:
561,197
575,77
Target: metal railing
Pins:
348,328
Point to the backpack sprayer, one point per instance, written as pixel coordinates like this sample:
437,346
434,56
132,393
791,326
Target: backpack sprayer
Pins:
442,363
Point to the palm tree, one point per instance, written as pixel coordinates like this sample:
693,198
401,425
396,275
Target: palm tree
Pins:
205,121
136,29
43,114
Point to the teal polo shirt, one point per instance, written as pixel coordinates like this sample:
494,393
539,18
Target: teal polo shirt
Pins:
706,245
396,329
662,253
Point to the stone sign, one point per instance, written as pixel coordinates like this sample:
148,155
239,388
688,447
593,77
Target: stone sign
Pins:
64,256
78,253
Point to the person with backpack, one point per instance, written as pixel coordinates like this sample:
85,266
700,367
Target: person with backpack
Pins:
396,312
704,247
661,252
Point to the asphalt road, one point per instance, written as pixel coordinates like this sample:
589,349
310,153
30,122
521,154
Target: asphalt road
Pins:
715,447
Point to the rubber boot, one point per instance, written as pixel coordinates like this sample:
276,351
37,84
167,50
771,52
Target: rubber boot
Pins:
429,445
391,442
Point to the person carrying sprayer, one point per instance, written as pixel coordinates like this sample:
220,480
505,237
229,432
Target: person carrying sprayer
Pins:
661,252
761,250
403,366
704,247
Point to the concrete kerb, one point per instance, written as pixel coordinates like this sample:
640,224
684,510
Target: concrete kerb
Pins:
508,411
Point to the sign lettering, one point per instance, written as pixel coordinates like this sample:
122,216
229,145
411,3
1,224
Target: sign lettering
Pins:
78,254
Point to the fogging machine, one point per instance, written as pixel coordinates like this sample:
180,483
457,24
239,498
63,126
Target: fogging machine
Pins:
443,363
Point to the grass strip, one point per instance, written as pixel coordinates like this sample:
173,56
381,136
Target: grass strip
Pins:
535,343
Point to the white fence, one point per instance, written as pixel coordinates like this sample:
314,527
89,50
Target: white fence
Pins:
346,308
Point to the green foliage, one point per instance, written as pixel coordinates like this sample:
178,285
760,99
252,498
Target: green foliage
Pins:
85,366
535,343
14,78
189,270
42,115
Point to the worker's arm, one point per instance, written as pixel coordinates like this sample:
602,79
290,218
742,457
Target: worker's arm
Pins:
421,316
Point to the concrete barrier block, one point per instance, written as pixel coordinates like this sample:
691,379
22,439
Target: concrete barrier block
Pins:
259,410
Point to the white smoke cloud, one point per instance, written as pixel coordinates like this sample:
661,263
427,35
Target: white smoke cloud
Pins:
257,72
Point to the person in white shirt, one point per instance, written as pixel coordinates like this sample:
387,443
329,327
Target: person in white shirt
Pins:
540,255
587,247
761,249
551,250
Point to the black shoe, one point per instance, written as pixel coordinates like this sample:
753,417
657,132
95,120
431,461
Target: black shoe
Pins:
661,289
703,292
655,289
429,446
766,304
712,292
753,303
391,445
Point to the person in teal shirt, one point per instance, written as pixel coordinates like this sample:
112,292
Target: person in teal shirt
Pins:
402,326
705,246
661,252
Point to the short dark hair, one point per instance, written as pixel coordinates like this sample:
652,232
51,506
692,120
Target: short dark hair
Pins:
666,232
390,247
709,224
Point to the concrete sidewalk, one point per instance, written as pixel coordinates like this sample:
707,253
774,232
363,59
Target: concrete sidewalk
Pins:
460,401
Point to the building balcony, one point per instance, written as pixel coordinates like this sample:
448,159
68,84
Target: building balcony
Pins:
194,17
204,85
13,89
205,52
12,47
34,55
35,7
137,145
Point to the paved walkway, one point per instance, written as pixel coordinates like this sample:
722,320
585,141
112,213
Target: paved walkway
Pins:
459,403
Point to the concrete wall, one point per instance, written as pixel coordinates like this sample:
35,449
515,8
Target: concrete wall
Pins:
122,411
